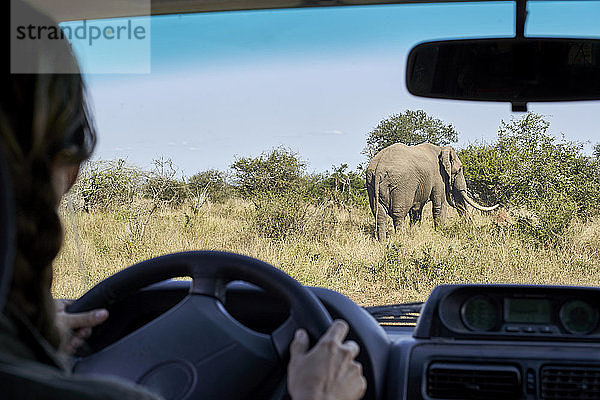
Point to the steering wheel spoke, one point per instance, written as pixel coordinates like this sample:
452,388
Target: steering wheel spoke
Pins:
282,336
209,286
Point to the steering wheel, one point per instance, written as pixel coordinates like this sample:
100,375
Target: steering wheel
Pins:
197,350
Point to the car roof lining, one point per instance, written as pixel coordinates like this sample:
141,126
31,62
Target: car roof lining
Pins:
69,10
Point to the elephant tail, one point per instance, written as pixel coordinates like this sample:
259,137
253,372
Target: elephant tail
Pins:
376,202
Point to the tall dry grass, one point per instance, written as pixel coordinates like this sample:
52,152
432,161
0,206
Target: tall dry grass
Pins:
333,248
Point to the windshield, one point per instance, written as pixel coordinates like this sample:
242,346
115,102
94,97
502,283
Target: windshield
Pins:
253,132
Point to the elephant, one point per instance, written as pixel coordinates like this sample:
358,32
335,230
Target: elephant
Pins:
401,179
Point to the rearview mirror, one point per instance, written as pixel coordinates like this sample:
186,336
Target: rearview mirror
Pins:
517,70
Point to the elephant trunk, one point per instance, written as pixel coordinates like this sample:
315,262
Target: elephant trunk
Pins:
449,197
472,202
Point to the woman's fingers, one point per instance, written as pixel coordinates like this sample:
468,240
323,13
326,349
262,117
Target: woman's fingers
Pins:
76,327
328,370
83,333
351,349
87,319
337,331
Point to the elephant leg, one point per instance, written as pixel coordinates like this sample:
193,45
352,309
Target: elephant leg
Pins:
398,222
398,215
416,213
439,207
439,212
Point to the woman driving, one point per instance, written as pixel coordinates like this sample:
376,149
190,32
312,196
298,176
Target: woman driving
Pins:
46,132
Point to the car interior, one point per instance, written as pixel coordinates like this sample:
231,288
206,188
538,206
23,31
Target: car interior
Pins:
225,333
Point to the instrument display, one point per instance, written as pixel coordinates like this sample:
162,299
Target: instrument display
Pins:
511,312
525,310
524,314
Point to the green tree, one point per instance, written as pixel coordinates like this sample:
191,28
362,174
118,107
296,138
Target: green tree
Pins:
278,171
410,127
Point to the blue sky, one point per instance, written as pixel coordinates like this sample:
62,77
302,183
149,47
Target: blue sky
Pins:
226,85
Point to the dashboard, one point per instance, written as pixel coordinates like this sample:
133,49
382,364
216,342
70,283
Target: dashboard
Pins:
502,342
513,313
470,341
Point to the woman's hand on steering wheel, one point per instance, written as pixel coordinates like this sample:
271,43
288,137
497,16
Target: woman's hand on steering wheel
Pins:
328,371
74,328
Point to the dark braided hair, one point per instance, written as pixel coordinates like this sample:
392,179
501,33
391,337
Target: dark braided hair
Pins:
44,122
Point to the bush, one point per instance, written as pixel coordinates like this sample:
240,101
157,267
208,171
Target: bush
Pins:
107,184
483,168
529,168
277,215
278,171
550,221
212,184
162,187
343,187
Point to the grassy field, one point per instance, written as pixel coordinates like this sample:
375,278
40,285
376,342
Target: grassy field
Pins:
332,247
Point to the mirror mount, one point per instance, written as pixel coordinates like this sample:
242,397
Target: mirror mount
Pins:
521,18
518,106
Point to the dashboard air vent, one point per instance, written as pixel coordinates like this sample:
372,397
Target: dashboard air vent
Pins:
561,382
473,381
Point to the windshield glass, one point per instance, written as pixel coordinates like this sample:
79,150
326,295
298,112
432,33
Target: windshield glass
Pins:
253,132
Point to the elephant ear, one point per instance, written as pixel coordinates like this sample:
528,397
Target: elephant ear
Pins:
446,164
455,161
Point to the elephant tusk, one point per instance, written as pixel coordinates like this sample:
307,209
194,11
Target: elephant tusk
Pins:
472,203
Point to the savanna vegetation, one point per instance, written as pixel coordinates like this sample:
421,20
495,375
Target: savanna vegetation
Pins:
318,226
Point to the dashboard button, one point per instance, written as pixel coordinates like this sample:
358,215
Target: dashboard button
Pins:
546,329
528,329
512,328
530,381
